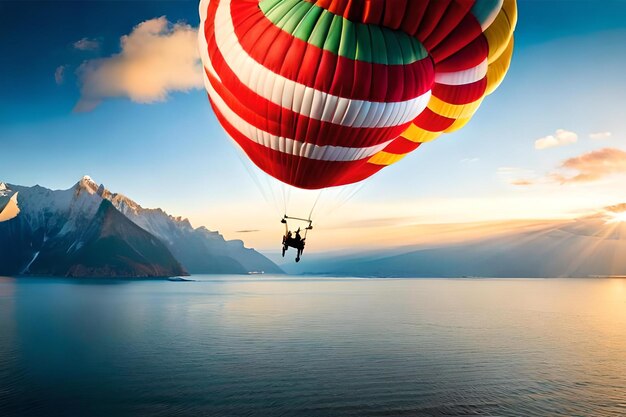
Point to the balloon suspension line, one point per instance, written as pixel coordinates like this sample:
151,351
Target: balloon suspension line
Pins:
286,189
317,199
315,203
341,197
267,192
273,192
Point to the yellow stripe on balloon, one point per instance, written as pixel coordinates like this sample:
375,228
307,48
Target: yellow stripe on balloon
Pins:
386,158
498,69
510,8
498,36
415,133
458,124
453,111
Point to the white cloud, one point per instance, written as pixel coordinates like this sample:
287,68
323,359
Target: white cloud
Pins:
86,44
560,138
59,74
469,161
600,135
157,58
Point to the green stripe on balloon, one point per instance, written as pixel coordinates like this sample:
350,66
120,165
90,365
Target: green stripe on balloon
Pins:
483,10
333,33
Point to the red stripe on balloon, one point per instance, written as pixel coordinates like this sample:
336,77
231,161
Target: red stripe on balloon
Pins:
450,19
467,31
431,121
434,13
298,171
402,146
460,94
415,11
394,13
468,57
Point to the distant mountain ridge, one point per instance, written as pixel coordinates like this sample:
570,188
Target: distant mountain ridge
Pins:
89,231
588,246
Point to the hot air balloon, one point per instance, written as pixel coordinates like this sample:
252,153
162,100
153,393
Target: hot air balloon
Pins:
323,93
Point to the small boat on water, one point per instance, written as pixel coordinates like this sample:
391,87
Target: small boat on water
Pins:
256,272
180,279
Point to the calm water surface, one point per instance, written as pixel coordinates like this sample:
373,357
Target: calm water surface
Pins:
268,346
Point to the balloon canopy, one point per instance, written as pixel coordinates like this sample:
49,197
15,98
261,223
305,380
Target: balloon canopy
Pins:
321,93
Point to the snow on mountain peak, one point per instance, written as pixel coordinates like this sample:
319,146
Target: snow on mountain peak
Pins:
87,184
3,186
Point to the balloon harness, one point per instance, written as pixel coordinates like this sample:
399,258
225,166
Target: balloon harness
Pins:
297,242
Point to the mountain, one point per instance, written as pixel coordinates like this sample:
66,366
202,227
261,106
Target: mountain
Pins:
89,231
200,250
589,246
111,246
76,233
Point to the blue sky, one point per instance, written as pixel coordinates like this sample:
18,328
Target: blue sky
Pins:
567,73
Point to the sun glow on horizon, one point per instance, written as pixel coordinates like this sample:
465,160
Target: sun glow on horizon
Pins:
617,217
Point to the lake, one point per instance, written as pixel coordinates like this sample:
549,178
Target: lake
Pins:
282,346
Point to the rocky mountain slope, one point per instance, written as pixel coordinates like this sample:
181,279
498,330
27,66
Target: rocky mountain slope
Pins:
110,246
200,250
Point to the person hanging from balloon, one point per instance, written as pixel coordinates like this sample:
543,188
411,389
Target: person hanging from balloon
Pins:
297,242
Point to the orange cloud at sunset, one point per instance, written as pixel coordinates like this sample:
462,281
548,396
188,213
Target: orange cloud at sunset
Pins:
156,58
618,208
594,166
588,167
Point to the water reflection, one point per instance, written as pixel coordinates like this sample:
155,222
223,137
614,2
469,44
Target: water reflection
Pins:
283,346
